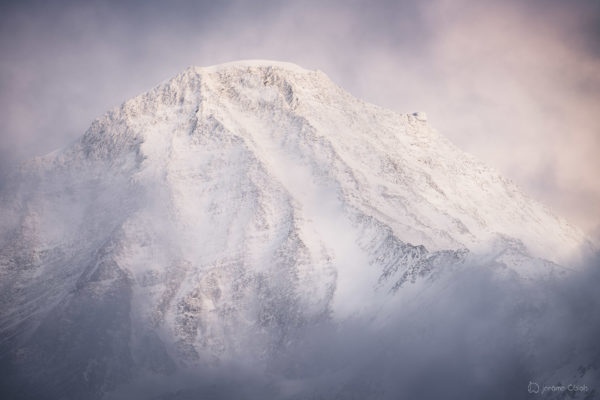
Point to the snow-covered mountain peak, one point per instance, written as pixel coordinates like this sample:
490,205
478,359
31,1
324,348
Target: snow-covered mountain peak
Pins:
216,215
389,166
254,64
296,125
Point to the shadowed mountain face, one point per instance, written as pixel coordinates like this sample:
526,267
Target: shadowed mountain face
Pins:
251,230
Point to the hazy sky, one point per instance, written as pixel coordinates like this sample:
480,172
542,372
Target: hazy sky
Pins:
516,83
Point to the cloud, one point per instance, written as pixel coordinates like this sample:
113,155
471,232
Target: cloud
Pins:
474,333
517,84
529,87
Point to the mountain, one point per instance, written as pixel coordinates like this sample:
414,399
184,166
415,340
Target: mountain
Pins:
217,217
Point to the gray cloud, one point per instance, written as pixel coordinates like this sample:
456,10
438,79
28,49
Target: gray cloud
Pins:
515,83
473,333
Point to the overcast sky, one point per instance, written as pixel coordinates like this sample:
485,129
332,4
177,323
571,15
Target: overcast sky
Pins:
516,83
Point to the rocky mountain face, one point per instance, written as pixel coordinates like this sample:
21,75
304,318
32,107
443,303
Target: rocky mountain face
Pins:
214,219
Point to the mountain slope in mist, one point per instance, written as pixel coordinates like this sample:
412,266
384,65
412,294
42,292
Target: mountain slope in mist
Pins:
217,220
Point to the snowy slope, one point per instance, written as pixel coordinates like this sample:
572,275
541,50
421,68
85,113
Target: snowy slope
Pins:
214,216
297,123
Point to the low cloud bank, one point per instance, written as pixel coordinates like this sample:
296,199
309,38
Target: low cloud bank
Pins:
473,333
